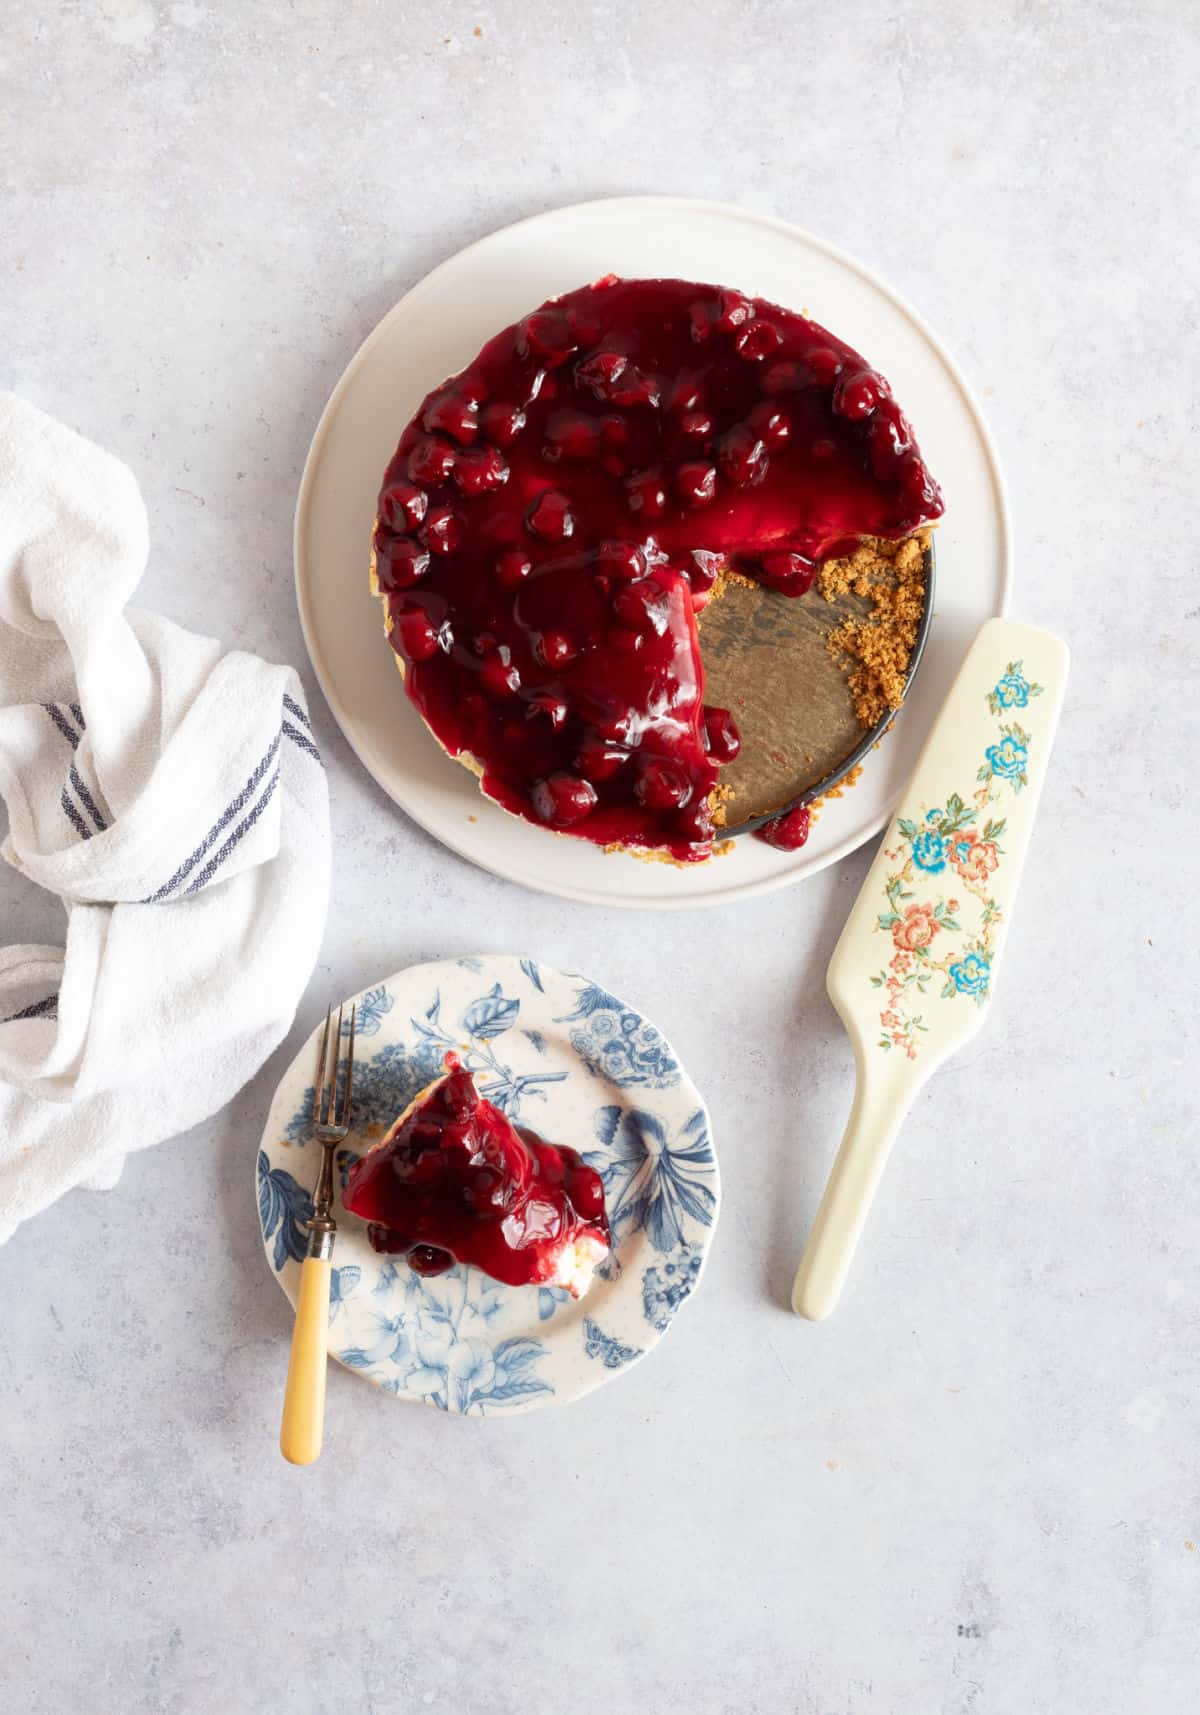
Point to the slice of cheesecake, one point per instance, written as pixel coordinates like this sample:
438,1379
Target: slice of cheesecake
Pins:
454,1181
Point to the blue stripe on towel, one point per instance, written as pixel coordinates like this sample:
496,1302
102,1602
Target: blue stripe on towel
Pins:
78,713
73,816
39,1009
244,826
297,737
64,726
293,707
185,868
86,799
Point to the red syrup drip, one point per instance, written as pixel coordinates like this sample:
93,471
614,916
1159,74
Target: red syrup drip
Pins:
787,833
455,1181
554,518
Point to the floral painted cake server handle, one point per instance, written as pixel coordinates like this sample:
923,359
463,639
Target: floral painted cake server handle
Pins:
916,964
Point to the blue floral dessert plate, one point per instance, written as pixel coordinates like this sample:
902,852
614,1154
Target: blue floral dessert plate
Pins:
554,1052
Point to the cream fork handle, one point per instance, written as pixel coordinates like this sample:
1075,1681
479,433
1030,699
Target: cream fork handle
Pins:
303,1426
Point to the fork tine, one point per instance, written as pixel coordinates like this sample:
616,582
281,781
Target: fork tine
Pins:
348,1087
335,1062
319,1092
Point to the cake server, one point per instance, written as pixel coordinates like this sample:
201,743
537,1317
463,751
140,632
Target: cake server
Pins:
915,968
303,1427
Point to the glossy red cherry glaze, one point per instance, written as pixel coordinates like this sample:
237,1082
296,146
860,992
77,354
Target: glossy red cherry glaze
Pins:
787,833
455,1181
554,517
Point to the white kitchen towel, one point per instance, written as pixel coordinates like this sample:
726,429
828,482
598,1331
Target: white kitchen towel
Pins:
172,795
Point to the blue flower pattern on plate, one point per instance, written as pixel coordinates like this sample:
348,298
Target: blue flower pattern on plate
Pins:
283,1208
650,1183
370,1012
668,1283
451,1341
614,1043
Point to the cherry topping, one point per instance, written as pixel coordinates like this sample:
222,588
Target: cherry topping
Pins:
425,1260
418,635
825,364
696,425
546,334
547,705
502,423
732,311
888,441
554,648
623,561
772,423
443,531
599,758
856,396
400,564
454,416
564,405
721,737
758,339
498,674
459,1095
402,506
662,784
641,606
453,1179
550,516
701,572
569,435
790,574
512,568
743,456
696,481
480,470
646,493
685,394
431,460
563,799
787,833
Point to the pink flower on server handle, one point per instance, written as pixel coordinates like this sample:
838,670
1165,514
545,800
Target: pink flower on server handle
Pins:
915,929
973,858
890,1020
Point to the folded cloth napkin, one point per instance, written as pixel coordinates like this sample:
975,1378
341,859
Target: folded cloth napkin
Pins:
172,795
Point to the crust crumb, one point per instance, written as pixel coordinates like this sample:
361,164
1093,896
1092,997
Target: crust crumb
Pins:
879,646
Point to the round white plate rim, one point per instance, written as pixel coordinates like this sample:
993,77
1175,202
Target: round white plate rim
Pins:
493,861
487,966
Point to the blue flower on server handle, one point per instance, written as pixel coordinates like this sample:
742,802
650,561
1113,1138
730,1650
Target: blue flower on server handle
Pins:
1008,759
930,850
1012,690
971,975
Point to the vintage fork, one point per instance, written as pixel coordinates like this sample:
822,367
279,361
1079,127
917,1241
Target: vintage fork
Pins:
303,1425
